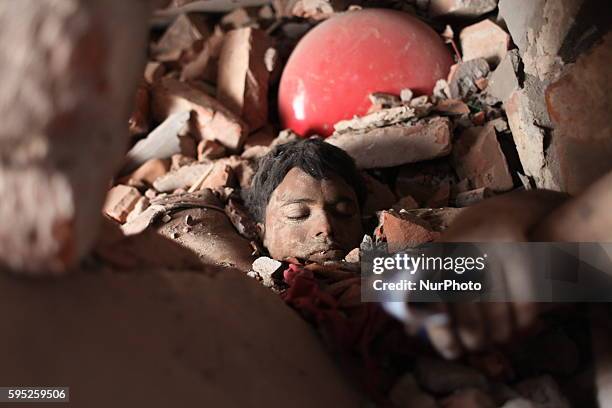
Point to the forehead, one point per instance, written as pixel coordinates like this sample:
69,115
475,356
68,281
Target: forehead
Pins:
299,184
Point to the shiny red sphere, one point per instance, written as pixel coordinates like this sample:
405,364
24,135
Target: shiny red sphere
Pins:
336,65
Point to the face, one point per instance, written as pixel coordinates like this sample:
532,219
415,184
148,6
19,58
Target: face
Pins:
312,219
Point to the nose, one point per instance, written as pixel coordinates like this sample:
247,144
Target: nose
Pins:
323,227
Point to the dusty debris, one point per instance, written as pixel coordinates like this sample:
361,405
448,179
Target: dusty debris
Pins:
452,107
462,77
381,100
504,80
478,157
406,95
220,176
154,71
439,219
184,177
242,82
423,180
398,144
403,230
354,256
461,8
210,150
471,197
374,120
312,9
120,200
182,33
265,268
484,39
210,118
161,143
440,376
150,171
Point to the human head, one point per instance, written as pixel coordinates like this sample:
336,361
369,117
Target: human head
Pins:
306,197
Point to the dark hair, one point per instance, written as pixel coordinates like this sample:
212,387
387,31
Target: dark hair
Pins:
319,159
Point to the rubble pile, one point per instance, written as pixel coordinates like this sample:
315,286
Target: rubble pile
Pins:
205,112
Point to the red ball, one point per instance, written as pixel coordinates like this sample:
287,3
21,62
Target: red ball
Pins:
334,68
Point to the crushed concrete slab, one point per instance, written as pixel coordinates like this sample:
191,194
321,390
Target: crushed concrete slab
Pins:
378,119
484,39
462,77
395,145
504,79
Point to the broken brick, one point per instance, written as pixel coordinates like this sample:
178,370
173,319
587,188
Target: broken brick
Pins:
399,144
402,230
211,119
139,120
472,197
463,76
486,40
150,171
220,176
242,81
379,197
478,157
181,34
461,8
120,200
210,150
504,80
452,107
154,71
183,177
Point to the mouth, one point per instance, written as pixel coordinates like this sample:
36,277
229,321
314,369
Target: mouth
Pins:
333,253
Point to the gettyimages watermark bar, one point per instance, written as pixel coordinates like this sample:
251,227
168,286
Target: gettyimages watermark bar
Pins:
488,272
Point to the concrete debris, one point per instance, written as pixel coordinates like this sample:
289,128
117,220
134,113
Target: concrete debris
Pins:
543,391
471,197
266,267
181,34
443,377
385,117
395,145
423,180
220,176
150,171
284,136
141,205
184,177
468,398
120,200
161,143
211,119
309,9
178,160
504,80
407,393
462,77
403,230
406,95
529,140
484,39
242,82
441,89
381,100
461,8
154,71
452,107
210,150
478,157
438,218
142,221
354,256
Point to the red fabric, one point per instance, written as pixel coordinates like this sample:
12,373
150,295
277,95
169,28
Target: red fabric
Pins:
363,337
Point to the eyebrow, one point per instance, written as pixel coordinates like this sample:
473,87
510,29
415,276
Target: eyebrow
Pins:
341,199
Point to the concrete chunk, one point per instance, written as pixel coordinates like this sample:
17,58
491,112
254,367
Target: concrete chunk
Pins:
484,39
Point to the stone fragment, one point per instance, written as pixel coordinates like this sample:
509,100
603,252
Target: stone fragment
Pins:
462,77
120,200
373,120
407,393
403,230
543,391
440,376
529,140
461,8
141,205
478,157
484,39
504,80
406,95
181,34
154,71
354,256
399,144
161,143
452,107
266,267
210,118
150,171
468,398
183,177
210,150
381,100
242,82
471,197
220,176
439,219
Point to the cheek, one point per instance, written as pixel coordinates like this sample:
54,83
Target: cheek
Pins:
284,238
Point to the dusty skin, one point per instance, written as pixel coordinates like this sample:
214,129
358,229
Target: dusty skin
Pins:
312,219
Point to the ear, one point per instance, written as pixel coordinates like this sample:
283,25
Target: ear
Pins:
261,231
